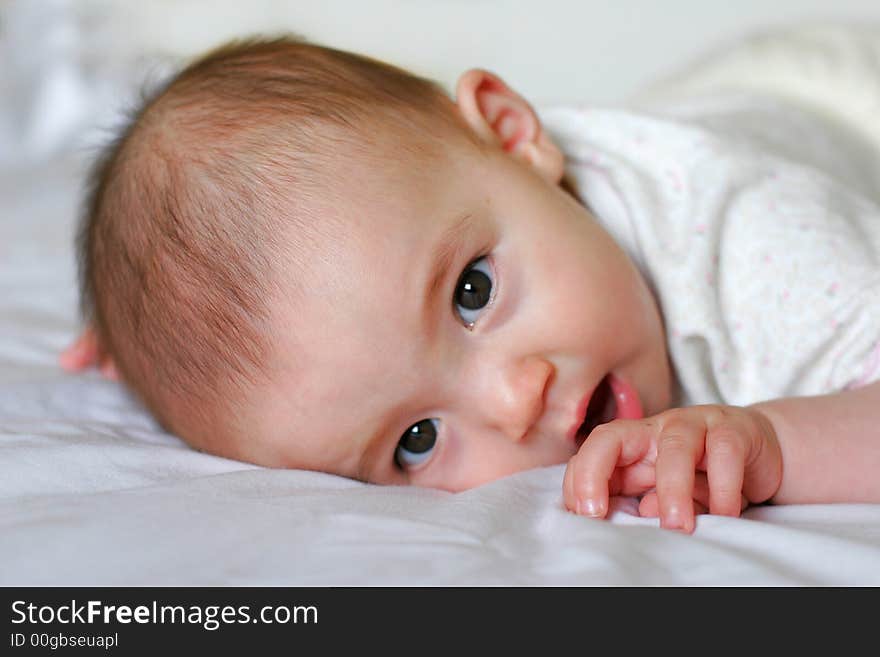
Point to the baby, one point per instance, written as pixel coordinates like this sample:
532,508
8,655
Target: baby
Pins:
304,258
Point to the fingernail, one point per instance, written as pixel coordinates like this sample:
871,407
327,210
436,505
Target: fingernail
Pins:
672,518
591,508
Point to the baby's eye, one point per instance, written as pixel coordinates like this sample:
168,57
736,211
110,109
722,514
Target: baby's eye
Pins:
473,291
416,444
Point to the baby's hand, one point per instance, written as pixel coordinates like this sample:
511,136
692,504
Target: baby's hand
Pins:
683,461
84,353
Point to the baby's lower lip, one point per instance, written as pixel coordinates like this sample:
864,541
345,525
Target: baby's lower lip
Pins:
629,406
619,400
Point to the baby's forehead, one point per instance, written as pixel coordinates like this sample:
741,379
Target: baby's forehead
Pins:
331,385
373,198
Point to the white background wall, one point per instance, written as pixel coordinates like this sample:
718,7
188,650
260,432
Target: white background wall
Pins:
68,66
550,49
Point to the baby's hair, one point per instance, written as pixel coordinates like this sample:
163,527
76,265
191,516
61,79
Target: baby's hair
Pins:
188,211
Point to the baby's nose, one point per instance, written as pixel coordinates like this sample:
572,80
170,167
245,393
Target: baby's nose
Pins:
514,399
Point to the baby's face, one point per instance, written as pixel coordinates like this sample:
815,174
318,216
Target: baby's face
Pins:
455,330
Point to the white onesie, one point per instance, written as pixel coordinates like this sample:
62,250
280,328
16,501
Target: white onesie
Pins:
757,224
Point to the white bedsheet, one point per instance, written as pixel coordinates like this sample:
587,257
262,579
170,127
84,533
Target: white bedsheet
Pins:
93,493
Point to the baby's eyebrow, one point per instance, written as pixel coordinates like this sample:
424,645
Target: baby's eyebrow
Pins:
452,241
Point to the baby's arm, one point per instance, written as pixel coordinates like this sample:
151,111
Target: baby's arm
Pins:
721,458
830,446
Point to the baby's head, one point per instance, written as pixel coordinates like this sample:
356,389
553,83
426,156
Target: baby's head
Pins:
299,257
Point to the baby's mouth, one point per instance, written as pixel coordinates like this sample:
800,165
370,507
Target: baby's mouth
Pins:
601,409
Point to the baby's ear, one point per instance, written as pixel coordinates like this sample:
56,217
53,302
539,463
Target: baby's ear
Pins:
499,115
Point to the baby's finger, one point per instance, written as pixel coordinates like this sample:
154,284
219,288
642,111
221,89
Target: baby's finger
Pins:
679,449
649,508
725,468
701,493
586,485
701,489
634,480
